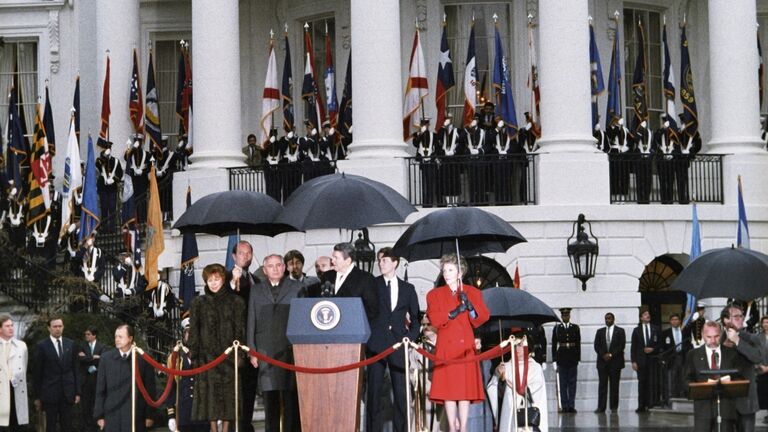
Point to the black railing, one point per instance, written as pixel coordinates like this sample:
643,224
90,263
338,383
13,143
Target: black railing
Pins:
644,179
278,181
472,180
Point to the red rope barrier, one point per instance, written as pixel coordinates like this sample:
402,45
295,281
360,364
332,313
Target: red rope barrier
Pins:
143,389
311,370
188,372
496,351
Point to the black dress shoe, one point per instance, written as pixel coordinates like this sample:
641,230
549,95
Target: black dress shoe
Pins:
641,410
573,410
599,411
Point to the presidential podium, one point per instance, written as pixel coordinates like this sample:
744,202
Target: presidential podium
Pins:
327,333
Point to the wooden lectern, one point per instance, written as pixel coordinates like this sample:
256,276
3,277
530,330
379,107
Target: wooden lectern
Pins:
326,333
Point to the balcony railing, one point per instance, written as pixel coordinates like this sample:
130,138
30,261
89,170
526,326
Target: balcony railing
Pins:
278,181
472,181
644,179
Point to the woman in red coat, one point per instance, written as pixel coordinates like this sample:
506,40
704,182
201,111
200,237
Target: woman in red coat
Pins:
455,309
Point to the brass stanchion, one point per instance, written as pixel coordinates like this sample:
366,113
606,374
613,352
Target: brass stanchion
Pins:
236,345
406,347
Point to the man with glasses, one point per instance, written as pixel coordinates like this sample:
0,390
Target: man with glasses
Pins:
747,345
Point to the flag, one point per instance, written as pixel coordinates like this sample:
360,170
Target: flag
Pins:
17,154
155,241
639,84
91,215
345,109
690,305
286,90
315,112
742,235
270,101
470,79
690,116
130,221
416,89
152,109
445,79
76,106
330,82
613,108
760,70
505,102
73,177
533,84
135,103
105,111
40,163
189,255
229,262
516,280
50,133
669,85
595,73
183,91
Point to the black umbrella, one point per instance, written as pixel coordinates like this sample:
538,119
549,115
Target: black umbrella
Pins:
233,212
726,272
343,201
518,306
476,231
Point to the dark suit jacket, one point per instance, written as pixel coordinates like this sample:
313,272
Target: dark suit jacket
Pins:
113,392
55,377
618,342
637,354
89,379
357,284
697,361
668,342
391,326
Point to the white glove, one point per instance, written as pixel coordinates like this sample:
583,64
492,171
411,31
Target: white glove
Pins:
331,131
172,424
695,316
554,366
314,132
544,366
105,298
290,135
272,139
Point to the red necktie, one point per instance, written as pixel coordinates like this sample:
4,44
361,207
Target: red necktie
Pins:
713,360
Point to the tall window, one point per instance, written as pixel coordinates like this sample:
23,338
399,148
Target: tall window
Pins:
317,32
458,21
652,22
762,33
19,59
166,57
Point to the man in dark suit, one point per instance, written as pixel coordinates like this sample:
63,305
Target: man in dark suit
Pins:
398,318
710,356
89,357
268,310
112,409
566,354
747,345
609,346
346,280
675,347
645,342
57,387
240,281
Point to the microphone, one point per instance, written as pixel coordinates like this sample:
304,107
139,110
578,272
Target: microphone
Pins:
326,289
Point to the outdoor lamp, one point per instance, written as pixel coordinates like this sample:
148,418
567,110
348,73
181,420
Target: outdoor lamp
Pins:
582,252
365,251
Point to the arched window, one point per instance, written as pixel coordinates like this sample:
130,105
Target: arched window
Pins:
483,272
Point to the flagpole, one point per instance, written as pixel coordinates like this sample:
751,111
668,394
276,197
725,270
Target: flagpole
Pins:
421,101
271,47
616,16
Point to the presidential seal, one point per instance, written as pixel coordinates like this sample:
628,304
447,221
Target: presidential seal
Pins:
325,315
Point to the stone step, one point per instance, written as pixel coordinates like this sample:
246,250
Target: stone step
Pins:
677,406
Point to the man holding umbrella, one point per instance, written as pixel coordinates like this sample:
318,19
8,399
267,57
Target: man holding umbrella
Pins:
566,354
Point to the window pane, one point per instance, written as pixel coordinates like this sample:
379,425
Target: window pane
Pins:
21,57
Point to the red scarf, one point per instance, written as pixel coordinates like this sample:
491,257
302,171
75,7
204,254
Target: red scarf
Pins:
521,385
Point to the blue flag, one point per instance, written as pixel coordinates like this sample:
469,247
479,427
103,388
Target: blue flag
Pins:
613,108
152,109
345,109
690,306
91,216
595,74
639,84
669,84
17,144
505,100
445,79
189,255
286,91
690,116
742,235
229,263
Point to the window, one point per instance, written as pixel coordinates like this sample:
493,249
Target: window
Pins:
317,32
166,57
652,23
762,34
458,19
19,59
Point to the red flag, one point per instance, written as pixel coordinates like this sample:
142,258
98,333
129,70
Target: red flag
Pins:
416,89
105,110
135,102
516,281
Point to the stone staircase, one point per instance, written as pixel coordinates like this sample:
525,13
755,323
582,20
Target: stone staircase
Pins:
21,314
678,406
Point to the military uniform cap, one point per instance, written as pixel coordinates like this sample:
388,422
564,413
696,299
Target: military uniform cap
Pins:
565,310
326,124
424,121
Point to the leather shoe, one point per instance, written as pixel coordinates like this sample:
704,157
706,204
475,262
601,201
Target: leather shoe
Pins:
641,410
573,411
599,411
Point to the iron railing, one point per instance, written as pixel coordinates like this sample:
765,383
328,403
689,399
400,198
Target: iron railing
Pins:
472,180
644,179
277,181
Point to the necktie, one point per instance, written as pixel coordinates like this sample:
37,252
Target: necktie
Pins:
124,355
713,360
58,343
608,336
647,334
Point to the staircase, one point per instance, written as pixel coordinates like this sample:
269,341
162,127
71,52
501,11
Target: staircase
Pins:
677,406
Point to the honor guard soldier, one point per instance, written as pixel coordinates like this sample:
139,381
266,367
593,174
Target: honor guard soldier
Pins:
271,155
476,148
690,144
290,166
643,163
179,405
527,136
110,174
692,330
426,144
17,208
665,143
566,354
314,152
451,143
137,163
603,142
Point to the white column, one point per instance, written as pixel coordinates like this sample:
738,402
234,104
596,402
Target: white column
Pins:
117,29
565,91
377,85
733,62
216,129
569,169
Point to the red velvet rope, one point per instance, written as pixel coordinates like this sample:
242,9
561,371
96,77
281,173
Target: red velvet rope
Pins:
188,372
496,351
310,370
143,389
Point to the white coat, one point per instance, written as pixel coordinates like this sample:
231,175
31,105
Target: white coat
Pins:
17,363
538,389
